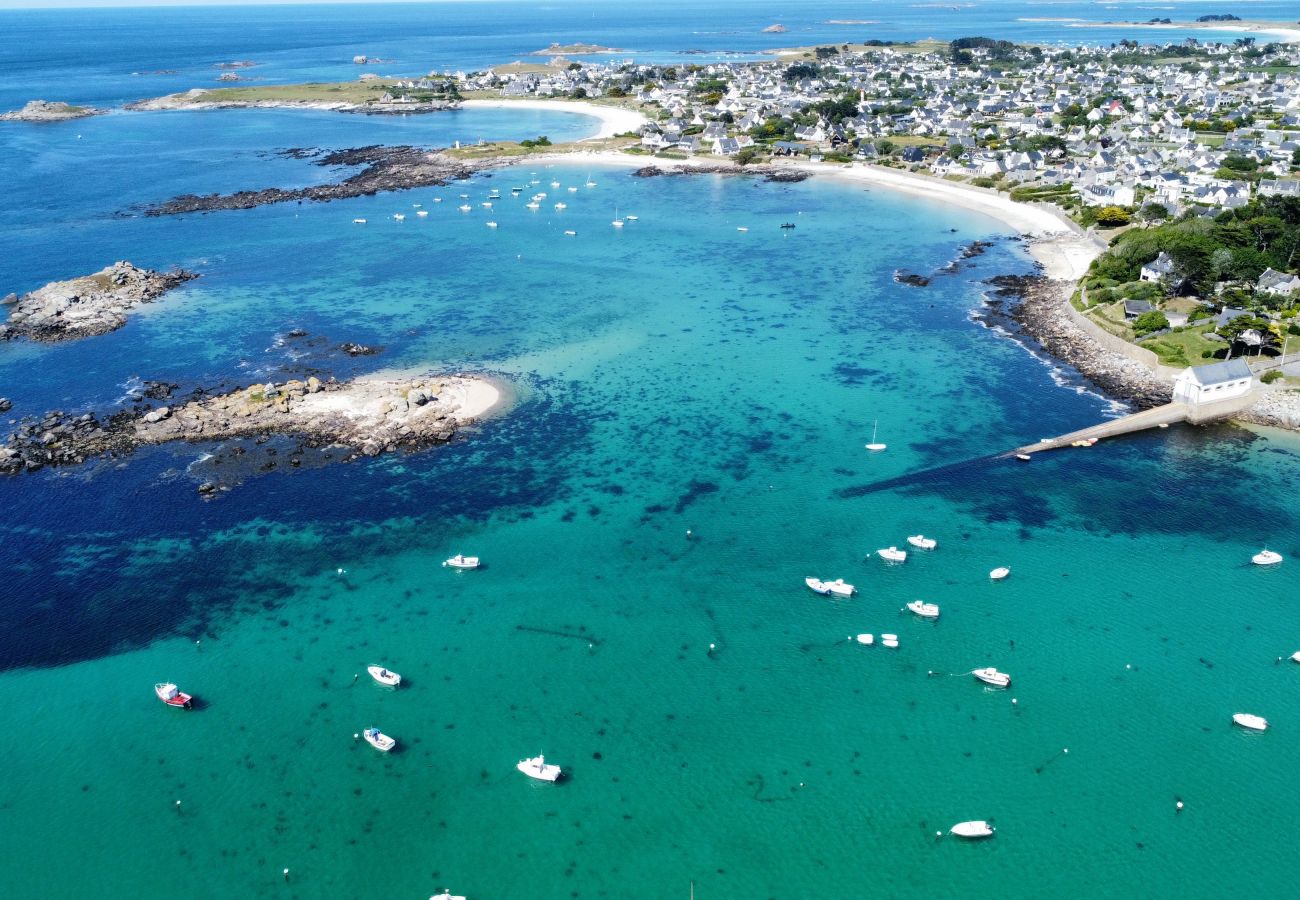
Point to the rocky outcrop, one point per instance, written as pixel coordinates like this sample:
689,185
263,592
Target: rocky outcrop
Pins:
50,111
1036,305
386,169
767,173
367,417
86,306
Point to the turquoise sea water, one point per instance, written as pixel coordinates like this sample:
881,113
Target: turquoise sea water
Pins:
677,375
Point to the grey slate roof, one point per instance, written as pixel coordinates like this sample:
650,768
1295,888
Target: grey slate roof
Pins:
1218,373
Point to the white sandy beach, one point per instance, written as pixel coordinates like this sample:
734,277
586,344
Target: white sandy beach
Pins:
1055,243
1282,32
613,119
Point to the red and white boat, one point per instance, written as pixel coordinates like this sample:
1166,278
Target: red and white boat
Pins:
171,695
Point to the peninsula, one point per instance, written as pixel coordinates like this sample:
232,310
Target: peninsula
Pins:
86,306
366,417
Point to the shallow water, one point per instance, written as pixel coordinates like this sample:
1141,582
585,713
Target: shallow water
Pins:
683,445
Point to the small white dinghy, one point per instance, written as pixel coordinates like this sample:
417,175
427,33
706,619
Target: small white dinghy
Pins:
973,830
1249,722
383,676
924,610
462,562
817,586
889,640
992,676
358,221
422,213
1266,558
446,895
892,554
999,573
1295,657
921,542
538,768
840,588
379,740
866,640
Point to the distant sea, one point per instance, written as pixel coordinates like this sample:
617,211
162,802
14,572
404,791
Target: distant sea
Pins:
682,445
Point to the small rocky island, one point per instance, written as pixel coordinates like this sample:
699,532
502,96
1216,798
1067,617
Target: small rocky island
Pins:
50,111
367,417
86,306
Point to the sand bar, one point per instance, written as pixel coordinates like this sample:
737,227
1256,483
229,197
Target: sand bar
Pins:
613,119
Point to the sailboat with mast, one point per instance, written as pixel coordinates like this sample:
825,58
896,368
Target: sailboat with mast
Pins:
618,222
875,446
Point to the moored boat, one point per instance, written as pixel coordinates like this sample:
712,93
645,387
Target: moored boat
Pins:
817,586
358,221
999,573
889,640
1295,657
539,768
892,554
379,740
921,542
924,610
972,830
1023,457
1266,557
993,677
866,639
422,213
462,562
172,695
446,895
1250,722
383,676
840,588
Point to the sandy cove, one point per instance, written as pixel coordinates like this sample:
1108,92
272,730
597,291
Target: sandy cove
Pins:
614,120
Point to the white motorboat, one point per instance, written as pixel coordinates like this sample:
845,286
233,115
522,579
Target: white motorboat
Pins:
631,218
1023,457
875,446
866,639
924,610
358,221
571,233
555,184
999,573
889,640
446,895
892,554
422,213
494,194
992,676
840,588
1249,722
538,768
383,676
379,740
1266,558
561,205
437,199
464,207
1295,657
462,562
533,204
921,542
487,204
972,830
401,217
817,586
572,190
742,228
491,224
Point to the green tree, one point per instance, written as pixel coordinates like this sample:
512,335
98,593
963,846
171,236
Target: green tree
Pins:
1112,216
1153,212
1148,322
746,156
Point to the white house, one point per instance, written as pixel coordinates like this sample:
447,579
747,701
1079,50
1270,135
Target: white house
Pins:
1207,384
1157,269
1275,282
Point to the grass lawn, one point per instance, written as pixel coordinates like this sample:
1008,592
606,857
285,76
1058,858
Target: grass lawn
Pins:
328,92
1183,348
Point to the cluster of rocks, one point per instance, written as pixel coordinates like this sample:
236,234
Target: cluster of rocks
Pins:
767,173
911,278
1037,304
385,169
50,111
367,417
85,306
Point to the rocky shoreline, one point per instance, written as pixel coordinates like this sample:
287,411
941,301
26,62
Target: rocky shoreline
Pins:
50,111
767,173
1035,305
365,417
193,99
386,169
86,306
